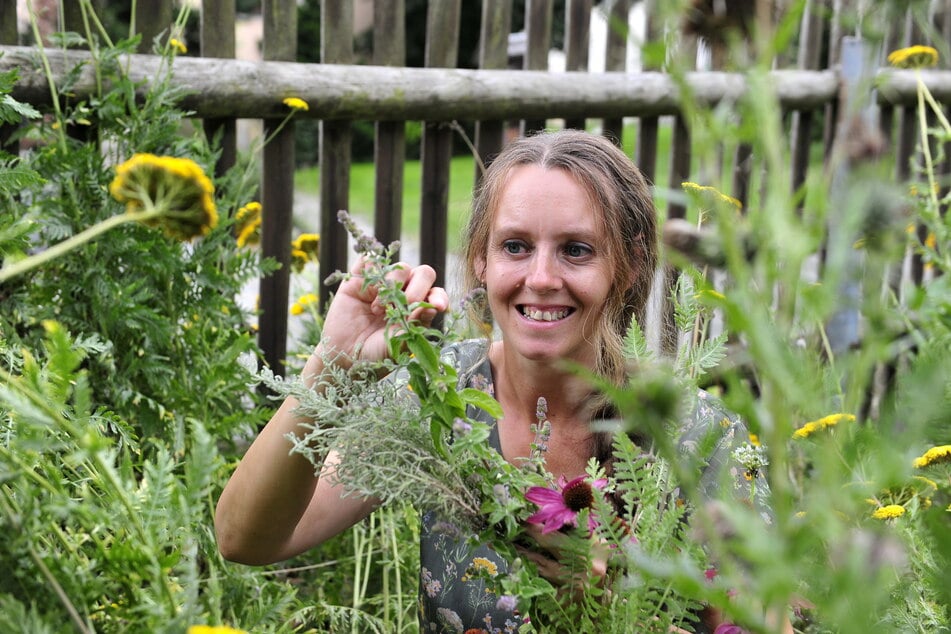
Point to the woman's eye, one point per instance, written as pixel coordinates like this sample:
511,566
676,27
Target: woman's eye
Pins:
577,250
513,247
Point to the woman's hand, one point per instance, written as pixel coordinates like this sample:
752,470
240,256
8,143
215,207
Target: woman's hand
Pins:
355,327
546,558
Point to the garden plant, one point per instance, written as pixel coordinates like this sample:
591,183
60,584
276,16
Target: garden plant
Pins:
130,384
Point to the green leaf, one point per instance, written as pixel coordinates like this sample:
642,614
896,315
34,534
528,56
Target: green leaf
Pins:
425,354
482,400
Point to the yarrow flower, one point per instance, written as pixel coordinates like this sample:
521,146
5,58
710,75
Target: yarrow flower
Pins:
913,57
296,103
752,457
248,224
175,189
935,455
560,508
298,307
305,248
888,512
823,423
711,193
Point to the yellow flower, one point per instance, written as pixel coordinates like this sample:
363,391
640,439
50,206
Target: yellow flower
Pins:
481,563
298,307
305,248
213,629
754,440
823,423
711,193
935,455
295,103
889,512
178,45
176,189
913,57
248,224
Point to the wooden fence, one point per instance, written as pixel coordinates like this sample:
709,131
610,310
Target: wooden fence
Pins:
494,97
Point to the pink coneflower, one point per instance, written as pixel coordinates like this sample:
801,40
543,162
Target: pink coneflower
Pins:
560,508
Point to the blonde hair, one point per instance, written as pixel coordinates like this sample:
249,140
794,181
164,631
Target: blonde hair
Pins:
621,195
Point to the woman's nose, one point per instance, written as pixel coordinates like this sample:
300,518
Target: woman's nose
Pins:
544,273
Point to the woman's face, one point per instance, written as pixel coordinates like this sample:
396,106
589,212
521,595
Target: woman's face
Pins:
546,269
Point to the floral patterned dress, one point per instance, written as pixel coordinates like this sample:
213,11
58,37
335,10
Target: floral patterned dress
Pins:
453,596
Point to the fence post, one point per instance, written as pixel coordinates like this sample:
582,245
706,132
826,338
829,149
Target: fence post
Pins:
442,49
277,193
336,47
615,58
389,147
8,35
151,19
218,40
577,39
538,20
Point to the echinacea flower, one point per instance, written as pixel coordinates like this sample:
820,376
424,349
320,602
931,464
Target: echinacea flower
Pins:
888,512
935,455
296,103
913,57
560,508
174,192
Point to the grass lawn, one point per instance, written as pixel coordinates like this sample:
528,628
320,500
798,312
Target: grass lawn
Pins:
462,176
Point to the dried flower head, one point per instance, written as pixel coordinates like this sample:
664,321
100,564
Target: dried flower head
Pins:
176,188
913,57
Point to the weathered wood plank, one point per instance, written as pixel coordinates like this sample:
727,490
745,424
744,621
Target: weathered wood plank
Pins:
493,54
538,21
152,19
389,49
577,37
277,195
347,92
615,55
218,40
442,49
336,46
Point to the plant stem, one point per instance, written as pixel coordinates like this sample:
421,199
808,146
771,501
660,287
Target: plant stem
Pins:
29,263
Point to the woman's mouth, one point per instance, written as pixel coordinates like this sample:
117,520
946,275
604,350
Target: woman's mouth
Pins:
539,314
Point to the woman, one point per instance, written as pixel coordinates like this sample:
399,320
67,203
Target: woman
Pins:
563,239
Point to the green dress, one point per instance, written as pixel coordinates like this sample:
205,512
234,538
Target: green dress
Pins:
452,600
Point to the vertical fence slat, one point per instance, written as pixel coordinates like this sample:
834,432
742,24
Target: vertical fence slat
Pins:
615,54
577,37
8,35
647,130
493,55
151,20
218,40
538,21
442,50
336,47
277,194
810,38
389,49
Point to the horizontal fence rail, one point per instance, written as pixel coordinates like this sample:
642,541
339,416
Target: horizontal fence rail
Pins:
358,92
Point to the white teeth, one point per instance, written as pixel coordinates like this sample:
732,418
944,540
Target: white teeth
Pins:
545,315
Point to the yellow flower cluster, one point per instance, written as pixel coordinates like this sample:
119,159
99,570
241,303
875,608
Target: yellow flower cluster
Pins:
889,512
178,46
826,421
175,189
913,57
213,629
935,455
248,224
298,307
305,248
712,192
296,103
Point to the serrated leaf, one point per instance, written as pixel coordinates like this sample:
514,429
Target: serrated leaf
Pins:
16,178
483,401
13,111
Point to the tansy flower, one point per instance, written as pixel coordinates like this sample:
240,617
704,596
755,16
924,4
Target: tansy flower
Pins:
213,629
826,421
889,512
913,57
175,190
298,307
305,248
711,193
935,455
560,508
178,45
248,224
295,103
481,563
